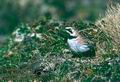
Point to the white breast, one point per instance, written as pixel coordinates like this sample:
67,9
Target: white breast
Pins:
76,46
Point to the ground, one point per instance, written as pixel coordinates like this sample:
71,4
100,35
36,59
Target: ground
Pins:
38,51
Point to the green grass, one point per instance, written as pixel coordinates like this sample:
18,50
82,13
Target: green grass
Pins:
51,54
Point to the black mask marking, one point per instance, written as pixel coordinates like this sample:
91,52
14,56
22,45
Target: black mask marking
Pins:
69,30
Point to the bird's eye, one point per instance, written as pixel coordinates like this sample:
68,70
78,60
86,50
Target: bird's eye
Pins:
69,30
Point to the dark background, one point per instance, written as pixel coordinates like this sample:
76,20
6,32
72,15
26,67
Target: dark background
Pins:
14,12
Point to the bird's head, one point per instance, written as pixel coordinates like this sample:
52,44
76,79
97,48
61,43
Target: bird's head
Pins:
71,32
68,33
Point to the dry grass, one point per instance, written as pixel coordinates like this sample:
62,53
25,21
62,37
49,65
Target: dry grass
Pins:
110,24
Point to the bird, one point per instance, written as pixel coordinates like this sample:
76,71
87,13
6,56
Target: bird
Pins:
78,45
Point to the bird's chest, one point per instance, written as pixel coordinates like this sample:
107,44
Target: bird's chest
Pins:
74,44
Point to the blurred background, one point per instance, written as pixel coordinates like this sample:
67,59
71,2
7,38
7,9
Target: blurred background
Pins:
14,12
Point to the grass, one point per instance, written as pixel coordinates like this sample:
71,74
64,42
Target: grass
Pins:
41,46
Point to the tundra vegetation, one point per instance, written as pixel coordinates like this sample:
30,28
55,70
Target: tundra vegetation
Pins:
37,51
